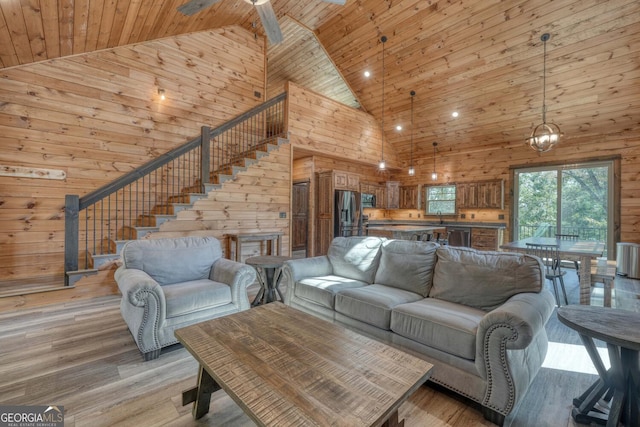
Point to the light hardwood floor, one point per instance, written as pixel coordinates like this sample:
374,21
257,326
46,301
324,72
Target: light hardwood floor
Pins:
80,355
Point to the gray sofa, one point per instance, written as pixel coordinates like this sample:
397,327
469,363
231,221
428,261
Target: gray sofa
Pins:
168,284
478,316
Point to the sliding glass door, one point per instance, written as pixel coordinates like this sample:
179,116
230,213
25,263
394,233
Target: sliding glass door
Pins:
567,199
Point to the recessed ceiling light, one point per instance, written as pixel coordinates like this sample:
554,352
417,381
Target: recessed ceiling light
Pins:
367,74
454,114
399,127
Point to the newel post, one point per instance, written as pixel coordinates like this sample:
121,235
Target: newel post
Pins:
71,234
205,156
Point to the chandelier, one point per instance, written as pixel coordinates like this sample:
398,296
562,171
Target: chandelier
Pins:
545,136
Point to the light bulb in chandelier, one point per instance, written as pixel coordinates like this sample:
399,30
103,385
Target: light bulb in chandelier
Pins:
382,165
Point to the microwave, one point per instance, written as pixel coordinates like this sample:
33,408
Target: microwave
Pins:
368,200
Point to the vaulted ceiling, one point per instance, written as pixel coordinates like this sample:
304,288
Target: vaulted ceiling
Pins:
482,58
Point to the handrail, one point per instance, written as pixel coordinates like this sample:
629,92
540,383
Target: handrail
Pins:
165,158
115,209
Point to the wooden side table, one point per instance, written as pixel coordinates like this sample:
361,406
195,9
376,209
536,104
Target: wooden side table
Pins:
617,387
273,238
269,269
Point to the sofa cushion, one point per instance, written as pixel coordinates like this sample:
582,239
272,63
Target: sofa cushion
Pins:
322,290
444,325
170,261
407,265
372,304
188,297
355,257
484,279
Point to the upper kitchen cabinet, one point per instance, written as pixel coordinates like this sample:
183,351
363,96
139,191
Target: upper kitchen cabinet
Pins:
467,195
480,195
393,195
409,197
346,181
491,194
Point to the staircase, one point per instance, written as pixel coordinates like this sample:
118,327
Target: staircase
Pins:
148,224
139,203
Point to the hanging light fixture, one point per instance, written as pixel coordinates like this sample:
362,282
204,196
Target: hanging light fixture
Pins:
545,136
382,165
434,174
412,170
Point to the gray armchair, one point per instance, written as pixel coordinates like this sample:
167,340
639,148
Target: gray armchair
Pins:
167,284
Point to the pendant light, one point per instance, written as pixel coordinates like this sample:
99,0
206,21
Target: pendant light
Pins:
434,174
382,165
545,136
412,170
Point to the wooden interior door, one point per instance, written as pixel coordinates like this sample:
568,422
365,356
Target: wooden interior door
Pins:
300,216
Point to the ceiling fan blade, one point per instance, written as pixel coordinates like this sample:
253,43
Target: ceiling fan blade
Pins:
269,22
194,6
342,2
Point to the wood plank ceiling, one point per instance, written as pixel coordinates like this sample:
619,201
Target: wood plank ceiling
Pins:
482,58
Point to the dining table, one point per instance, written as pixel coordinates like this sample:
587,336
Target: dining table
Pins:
573,250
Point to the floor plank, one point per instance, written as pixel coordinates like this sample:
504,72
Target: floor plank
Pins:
80,355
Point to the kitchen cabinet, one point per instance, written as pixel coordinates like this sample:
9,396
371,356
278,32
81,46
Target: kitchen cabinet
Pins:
393,195
346,181
487,239
480,195
491,194
467,195
324,212
409,197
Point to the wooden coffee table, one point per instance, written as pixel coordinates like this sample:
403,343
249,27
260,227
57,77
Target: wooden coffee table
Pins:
284,367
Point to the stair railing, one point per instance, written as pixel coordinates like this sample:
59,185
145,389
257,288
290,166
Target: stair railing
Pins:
116,211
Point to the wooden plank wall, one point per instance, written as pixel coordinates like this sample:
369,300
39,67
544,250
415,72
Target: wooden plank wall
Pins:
97,116
250,203
329,128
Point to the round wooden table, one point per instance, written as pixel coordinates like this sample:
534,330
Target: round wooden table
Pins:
269,269
617,387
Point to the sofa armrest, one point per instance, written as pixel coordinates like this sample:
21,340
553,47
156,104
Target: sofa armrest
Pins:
297,269
238,276
511,344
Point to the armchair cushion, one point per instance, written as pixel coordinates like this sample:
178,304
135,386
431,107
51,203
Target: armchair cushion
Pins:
195,295
160,257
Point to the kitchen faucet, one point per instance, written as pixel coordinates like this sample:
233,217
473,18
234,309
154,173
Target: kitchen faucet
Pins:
440,216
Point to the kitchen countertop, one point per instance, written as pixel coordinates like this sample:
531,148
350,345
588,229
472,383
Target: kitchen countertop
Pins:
397,223
409,228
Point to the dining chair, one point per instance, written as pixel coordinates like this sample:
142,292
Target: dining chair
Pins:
550,257
571,237
426,237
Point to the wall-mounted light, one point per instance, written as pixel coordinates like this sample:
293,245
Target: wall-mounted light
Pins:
161,94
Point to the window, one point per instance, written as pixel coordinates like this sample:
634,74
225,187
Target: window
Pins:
441,199
565,199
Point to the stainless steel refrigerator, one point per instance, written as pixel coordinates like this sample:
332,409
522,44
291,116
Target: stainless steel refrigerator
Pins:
347,215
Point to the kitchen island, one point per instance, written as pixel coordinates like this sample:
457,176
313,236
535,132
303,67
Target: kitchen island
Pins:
404,232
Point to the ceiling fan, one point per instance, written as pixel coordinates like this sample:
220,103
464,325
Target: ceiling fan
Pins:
263,7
